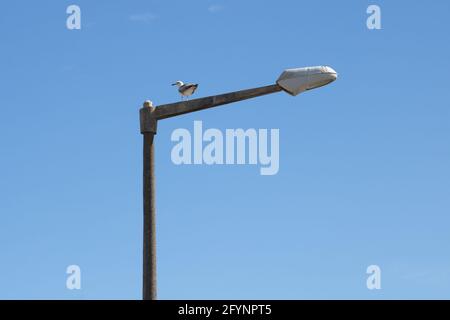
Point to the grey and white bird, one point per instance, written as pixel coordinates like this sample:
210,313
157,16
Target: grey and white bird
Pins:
187,89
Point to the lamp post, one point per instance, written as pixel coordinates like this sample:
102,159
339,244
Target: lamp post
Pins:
293,81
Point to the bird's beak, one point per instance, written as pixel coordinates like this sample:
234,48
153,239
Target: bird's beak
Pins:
174,84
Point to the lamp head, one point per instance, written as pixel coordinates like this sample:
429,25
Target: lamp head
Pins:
296,81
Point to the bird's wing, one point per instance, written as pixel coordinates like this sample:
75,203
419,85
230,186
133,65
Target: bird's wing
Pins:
189,86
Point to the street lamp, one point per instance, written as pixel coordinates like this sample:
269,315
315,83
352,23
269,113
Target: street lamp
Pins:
292,81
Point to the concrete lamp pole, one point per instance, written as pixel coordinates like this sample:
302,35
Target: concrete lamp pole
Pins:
293,81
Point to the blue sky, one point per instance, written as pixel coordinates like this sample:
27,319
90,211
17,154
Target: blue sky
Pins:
364,163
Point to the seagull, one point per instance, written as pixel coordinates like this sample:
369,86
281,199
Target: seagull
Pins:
185,89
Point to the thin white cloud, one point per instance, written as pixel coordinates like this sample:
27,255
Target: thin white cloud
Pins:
142,17
214,8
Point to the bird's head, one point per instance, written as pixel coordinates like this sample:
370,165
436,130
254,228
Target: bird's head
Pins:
178,83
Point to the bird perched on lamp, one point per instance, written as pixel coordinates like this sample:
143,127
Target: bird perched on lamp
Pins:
187,89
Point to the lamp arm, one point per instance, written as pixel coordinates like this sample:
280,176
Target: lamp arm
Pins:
175,109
